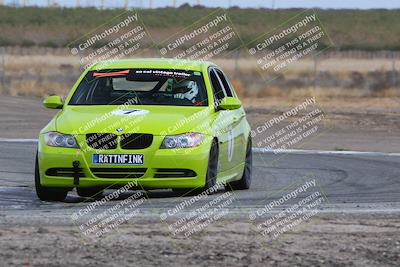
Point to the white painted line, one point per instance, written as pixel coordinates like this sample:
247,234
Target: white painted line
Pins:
260,150
17,140
323,152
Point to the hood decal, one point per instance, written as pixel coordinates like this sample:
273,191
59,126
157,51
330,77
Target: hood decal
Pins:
129,112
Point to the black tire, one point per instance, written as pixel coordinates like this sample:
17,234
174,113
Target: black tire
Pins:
245,181
212,169
47,193
93,192
211,176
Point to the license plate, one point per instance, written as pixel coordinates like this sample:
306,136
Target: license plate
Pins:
118,159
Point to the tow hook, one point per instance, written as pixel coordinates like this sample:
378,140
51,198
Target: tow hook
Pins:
76,164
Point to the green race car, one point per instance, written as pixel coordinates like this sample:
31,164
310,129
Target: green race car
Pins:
146,123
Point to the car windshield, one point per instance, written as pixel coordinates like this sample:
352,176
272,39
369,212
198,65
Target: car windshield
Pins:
141,87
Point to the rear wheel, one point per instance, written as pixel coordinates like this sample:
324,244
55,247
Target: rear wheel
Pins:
245,181
47,193
93,192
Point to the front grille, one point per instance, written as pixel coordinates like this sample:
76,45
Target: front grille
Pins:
102,140
64,172
136,141
174,173
118,172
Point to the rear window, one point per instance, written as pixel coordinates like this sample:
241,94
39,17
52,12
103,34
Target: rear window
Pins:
141,87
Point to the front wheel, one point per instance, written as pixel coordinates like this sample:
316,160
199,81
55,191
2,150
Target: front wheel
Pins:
211,176
212,169
47,193
245,181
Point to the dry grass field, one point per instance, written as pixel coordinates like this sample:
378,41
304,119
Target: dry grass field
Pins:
41,72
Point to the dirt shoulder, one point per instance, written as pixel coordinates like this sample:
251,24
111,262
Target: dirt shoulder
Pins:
370,124
340,240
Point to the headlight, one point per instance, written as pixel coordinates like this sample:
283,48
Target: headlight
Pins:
183,140
60,140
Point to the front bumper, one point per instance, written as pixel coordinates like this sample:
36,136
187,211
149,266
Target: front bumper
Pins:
193,159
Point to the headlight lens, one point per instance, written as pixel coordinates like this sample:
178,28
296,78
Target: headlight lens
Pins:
182,141
60,140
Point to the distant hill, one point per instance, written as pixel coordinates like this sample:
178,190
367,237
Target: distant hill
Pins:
56,27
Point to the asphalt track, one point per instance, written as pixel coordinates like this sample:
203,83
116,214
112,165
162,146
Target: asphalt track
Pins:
351,183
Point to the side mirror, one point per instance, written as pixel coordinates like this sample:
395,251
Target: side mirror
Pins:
229,103
53,102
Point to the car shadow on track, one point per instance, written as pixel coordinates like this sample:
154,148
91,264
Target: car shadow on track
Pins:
153,194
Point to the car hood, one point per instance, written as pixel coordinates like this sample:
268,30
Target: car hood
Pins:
157,120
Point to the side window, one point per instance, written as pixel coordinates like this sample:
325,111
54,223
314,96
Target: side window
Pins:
225,83
218,91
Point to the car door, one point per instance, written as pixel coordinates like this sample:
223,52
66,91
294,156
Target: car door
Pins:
222,123
226,124
236,133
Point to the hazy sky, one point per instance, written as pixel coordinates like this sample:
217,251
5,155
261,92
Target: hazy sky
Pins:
361,4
